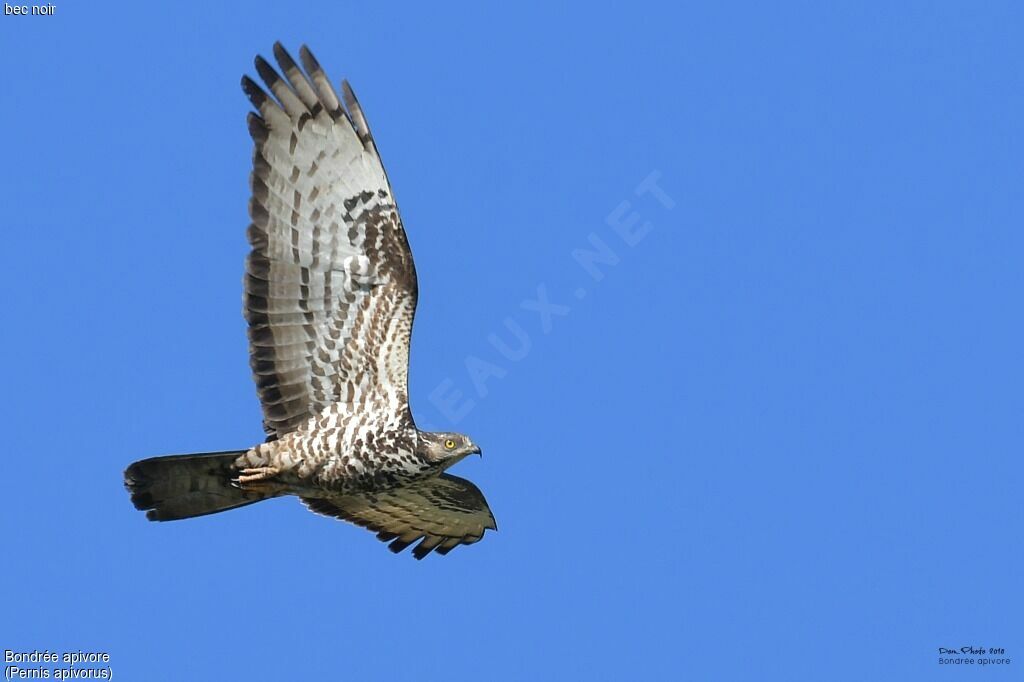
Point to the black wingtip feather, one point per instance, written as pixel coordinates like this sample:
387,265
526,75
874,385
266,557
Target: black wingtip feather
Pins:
397,546
423,549
254,92
326,93
266,71
282,56
308,60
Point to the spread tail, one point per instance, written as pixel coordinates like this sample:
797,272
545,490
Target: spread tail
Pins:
183,486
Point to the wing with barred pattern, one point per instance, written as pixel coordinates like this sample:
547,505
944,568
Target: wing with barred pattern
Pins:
441,512
330,285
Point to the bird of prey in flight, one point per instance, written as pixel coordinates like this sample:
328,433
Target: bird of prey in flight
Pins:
330,293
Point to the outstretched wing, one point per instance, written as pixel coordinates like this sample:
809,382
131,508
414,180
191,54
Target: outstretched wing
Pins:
330,286
443,511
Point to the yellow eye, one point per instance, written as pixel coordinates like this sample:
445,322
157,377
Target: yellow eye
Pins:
449,444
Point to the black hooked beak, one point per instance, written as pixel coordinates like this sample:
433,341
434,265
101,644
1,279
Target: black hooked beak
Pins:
476,451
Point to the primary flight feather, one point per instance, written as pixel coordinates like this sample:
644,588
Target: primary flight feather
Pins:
330,294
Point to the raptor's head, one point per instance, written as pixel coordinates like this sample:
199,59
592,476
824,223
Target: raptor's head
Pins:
446,447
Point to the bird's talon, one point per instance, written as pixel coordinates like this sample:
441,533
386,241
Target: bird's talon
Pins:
256,474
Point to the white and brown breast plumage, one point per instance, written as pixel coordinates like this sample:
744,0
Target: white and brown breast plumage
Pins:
330,295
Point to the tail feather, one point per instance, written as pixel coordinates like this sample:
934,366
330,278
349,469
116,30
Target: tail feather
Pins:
184,486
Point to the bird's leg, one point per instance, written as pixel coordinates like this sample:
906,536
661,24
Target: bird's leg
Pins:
258,480
257,474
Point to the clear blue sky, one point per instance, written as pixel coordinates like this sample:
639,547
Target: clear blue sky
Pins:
780,438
